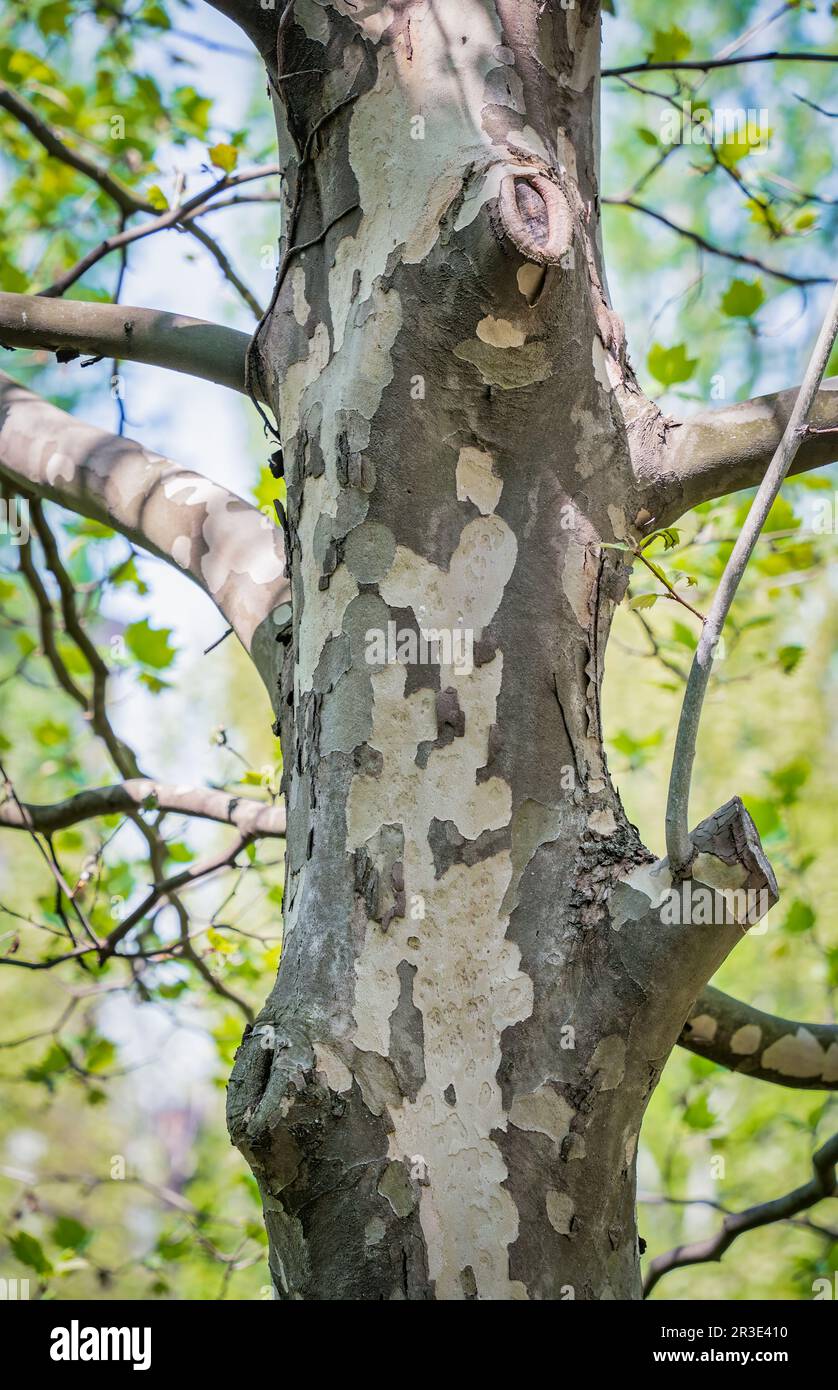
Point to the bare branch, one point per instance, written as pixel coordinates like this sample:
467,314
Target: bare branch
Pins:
770,1048
712,248
130,202
673,936
251,817
124,197
222,542
168,888
720,451
96,708
174,217
225,265
679,845
822,1184
160,339
707,64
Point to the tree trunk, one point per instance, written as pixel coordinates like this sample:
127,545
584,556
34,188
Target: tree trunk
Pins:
443,1095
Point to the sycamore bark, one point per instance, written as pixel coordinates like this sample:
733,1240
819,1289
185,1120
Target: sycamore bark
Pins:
443,1094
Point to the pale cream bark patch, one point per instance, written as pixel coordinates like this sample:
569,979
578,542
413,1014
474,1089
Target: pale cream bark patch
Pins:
500,333
507,367
800,1054
337,1074
477,481
468,984
746,1039
608,1062
385,139
301,306
703,1028
580,570
542,1112
602,822
560,1210
530,281
360,372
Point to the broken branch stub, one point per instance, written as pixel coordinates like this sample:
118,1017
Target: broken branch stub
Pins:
676,932
730,836
536,217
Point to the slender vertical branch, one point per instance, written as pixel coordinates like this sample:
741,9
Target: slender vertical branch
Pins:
678,843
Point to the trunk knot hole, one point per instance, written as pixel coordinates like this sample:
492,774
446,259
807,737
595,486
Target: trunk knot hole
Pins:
536,217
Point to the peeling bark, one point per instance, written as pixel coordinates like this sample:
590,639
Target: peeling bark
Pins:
479,988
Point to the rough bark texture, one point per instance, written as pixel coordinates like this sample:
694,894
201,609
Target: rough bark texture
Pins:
443,1094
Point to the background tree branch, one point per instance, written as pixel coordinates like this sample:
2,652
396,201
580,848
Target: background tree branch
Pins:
707,64
225,544
70,327
737,1036
822,1184
251,817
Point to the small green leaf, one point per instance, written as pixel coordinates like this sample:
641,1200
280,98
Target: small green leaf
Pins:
799,918
219,943
179,852
157,198
789,657
765,814
150,645
670,365
100,1055
669,535
153,683
742,298
224,157
70,1234
698,1114
762,214
169,1249
52,1064
155,15
643,601
30,1252
668,45
50,734
684,636
790,779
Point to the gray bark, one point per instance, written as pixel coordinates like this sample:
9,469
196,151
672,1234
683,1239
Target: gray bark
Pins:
442,1096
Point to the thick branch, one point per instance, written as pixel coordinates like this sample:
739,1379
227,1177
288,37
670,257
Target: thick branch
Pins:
822,1184
207,803
719,451
259,23
744,1039
153,336
222,542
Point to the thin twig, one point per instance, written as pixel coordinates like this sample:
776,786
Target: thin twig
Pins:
707,64
678,843
712,249
822,1184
